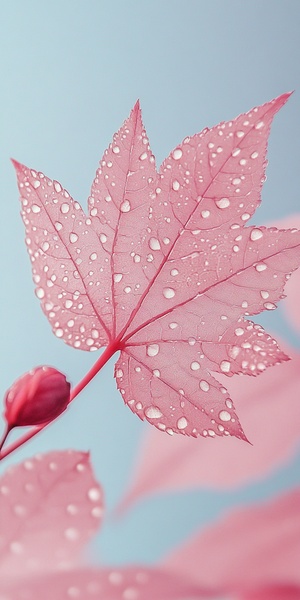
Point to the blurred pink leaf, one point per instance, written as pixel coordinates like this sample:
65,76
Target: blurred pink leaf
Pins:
173,465
164,269
251,548
129,583
50,506
278,592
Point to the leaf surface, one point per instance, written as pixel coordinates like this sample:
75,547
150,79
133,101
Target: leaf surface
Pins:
165,269
251,548
132,583
174,465
50,506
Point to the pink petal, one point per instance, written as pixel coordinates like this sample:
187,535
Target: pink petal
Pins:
270,410
250,548
135,583
50,506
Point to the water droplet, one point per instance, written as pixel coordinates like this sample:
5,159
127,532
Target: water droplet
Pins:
239,331
225,366
269,305
118,277
224,415
59,333
154,244
35,208
71,323
119,373
260,267
259,125
136,258
182,423
40,293
153,412
204,385
103,238
94,494
205,214
152,349
156,373
223,203
125,206
174,272
73,237
173,325
256,234
177,154
195,366
245,217
16,547
168,293
71,534
143,156
68,303
65,207
116,149
264,295
93,256
235,152
254,155
127,289
175,185
72,509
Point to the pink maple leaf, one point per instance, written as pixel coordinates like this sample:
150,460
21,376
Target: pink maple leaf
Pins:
50,506
174,465
251,552
164,269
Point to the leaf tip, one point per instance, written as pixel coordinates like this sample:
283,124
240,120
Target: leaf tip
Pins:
18,166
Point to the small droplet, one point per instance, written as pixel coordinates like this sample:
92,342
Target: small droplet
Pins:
156,373
269,305
153,412
182,423
65,207
125,206
152,349
168,293
224,415
239,331
175,185
204,385
260,267
35,209
174,272
71,534
173,325
254,155
225,366
205,214
256,234
223,203
116,149
195,366
40,293
94,494
154,244
177,154
103,238
143,156
93,256
118,277
73,237
59,333
264,294
119,373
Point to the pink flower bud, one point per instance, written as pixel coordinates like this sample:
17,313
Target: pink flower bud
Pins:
37,397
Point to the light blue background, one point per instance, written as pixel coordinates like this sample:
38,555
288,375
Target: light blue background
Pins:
70,73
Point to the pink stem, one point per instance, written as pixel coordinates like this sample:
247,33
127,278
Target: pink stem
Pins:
102,360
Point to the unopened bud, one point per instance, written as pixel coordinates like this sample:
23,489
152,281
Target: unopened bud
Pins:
37,397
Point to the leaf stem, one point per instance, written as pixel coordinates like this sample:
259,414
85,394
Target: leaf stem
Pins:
102,360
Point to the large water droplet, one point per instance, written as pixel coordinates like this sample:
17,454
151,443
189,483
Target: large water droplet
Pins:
182,423
73,237
125,206
168,293
224,415
152,349
153,412
256,234
223,203
154,244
